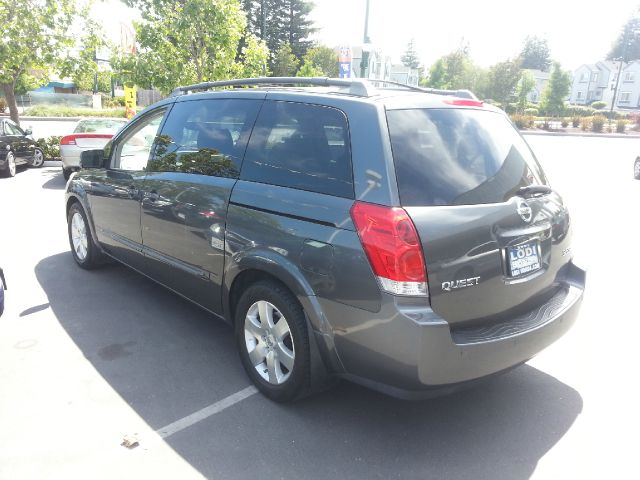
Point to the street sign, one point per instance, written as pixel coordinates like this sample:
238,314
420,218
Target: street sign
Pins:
344,62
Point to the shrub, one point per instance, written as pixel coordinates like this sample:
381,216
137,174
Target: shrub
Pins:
585,124
522,121
3,105
58,111
598,105
579,111
546,125
564,122
621,125
597,123
50,147
575,121
115,102
532,111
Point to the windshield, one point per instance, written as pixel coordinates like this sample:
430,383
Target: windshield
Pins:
458,157
99,126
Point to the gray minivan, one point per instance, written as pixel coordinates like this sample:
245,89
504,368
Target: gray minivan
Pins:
402,239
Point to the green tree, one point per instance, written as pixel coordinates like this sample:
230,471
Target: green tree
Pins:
279,21
503,79
320,61
285,63
628,35
254,58
410,58
35,34
80,64
556,92
525,85
535,54
452,71
184,41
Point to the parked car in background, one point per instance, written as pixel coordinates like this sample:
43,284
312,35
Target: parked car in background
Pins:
636,168
17,148
88,134
405,240
3,287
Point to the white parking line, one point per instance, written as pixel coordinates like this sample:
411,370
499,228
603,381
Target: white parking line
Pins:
206,412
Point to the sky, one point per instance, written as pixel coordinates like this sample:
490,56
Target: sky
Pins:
578,32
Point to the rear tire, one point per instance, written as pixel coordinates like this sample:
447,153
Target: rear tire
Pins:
275,355
10,166
84,250
636,169
38,158
66,173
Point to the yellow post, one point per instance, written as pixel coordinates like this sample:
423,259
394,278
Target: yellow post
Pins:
130,99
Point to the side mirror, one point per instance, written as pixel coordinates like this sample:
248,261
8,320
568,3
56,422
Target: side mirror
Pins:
28,131
92,159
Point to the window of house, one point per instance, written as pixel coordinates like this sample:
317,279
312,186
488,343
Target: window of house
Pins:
579,96
630,76
625,97
583,77
300,146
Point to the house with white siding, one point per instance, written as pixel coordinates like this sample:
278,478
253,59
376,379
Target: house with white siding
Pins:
597,82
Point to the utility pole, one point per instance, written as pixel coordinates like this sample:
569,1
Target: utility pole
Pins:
364,61
625,43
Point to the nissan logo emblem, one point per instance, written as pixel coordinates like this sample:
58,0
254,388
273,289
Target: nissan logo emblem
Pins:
524,210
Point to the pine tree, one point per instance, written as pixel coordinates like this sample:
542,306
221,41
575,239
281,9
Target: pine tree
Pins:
554,95
280,21
410,58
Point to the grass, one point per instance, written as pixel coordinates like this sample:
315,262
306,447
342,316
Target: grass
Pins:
57,111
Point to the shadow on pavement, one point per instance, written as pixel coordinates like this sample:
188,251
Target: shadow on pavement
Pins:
55,179
168,359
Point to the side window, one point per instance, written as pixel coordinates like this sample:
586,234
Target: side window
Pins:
132,151
12,129
205,137
301,146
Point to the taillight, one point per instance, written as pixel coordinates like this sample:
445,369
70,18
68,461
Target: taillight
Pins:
391,243
68,140
464,102
71,139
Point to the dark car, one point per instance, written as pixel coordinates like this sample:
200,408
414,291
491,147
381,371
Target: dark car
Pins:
16,148
404,240
3,287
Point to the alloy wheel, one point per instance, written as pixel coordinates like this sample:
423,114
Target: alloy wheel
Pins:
79,236
269,343
38,158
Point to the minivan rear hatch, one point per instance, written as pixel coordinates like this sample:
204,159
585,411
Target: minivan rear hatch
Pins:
494,236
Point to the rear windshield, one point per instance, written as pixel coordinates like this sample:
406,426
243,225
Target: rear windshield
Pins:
99,126
458,157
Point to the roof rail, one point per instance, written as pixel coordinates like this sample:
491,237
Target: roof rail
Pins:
454,93
357,87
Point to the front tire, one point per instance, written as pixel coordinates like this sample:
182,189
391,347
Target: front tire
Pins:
271,333
10,166
84,250
38,158
636,169
66,173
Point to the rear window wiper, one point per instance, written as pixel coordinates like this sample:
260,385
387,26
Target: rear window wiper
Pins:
532,190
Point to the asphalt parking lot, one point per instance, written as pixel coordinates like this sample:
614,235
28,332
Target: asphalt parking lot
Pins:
87,358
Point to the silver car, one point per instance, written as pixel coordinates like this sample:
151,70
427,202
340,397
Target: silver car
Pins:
88,134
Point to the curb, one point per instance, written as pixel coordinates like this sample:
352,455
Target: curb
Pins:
566,134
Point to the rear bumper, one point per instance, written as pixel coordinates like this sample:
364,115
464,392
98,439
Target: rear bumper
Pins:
408,351
70,156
